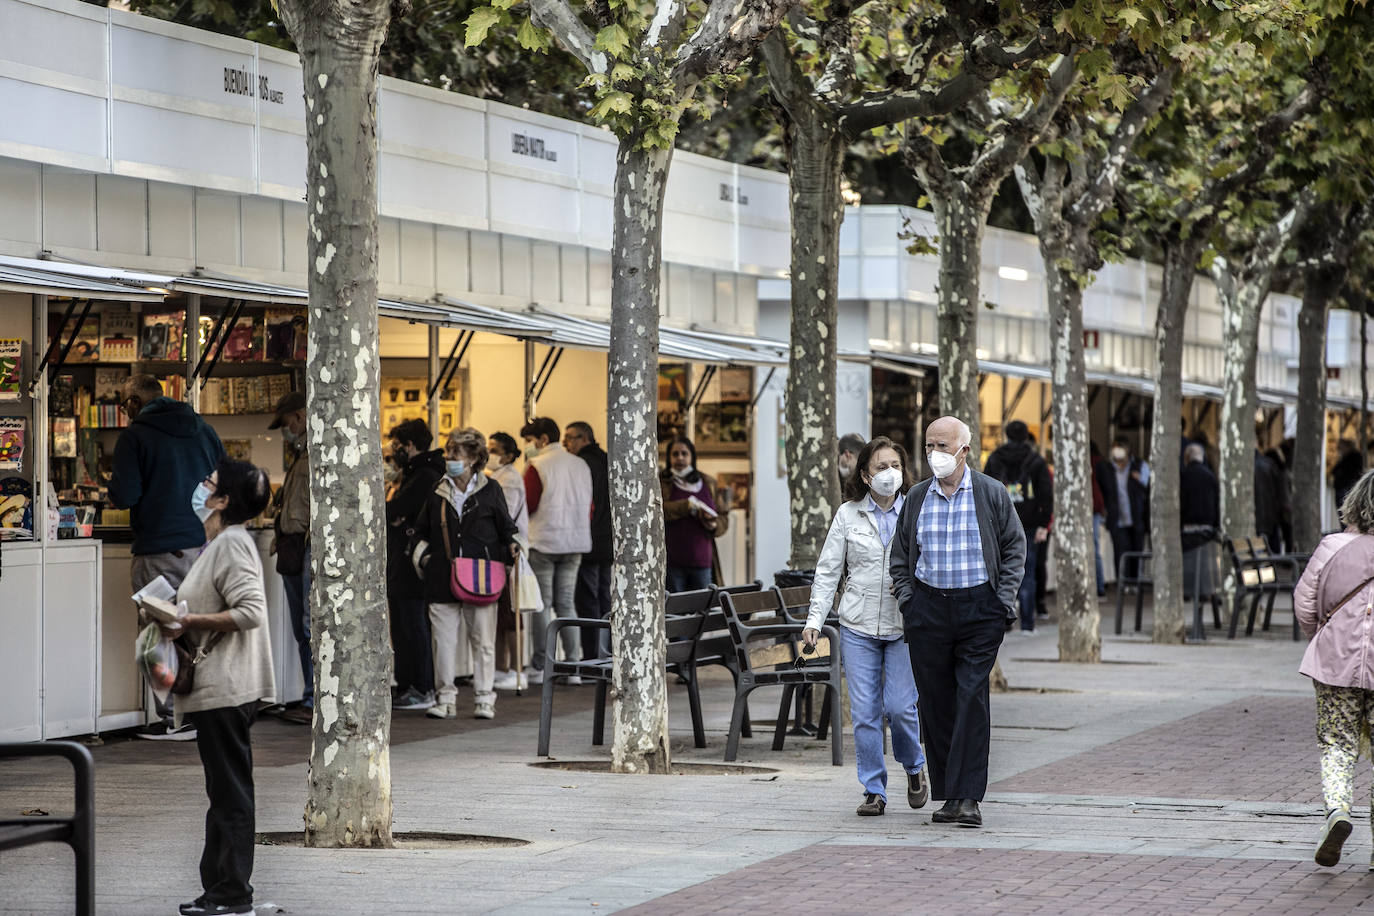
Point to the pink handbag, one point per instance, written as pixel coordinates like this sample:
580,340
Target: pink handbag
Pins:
470,580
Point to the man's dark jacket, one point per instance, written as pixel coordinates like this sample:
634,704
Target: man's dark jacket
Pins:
1199,496
158,463
1019,465
999,530
603,546
1138,493
1270,498
418,480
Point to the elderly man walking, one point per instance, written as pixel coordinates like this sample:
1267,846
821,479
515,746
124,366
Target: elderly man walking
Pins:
957,561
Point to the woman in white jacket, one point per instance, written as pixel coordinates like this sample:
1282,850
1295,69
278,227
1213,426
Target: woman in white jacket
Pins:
876,662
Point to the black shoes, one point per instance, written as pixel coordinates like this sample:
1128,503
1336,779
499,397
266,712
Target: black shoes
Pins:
947,813
961,811
873,806
202,907
968,814
917,789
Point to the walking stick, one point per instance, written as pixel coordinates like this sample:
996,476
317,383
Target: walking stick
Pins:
519,618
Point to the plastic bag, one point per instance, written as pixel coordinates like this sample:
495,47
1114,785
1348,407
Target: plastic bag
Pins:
529,597
157,659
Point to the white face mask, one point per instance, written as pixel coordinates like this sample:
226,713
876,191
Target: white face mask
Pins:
682,472
886,482
1118,455
942,463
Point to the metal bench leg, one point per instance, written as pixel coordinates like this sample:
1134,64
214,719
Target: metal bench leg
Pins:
1139,606
737,720
545,712
780,731
599,715
1216,610
1269,610
694,704
1254,610
1237,609
1119,590
746,730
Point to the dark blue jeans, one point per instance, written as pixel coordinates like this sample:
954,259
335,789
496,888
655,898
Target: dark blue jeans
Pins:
688,578
298,603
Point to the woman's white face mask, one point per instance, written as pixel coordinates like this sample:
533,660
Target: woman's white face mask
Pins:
885,482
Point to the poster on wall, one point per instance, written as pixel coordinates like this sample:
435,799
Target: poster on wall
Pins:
11,368
406,399
163,336
286,335
118,336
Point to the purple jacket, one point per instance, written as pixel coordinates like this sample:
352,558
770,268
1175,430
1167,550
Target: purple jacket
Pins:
1339,653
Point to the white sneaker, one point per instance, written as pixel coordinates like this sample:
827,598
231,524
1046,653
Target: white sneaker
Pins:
573,680
442,711
535,676
484,711
1026,632
507,681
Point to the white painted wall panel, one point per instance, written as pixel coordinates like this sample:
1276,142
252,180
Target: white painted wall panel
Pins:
515,267
52,119
220,152
417,254
443,193
171,221
485,263
121,214
68,209
599,281
388,251
282,158
573,260
64,36
451,260
217,229
545,211
182,66
262,233
450,124
545,280
21,201
294,239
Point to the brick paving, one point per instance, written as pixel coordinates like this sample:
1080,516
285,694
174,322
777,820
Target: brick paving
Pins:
877,880
1261,748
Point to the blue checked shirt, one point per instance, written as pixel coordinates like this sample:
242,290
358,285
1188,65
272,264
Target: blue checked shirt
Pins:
947,535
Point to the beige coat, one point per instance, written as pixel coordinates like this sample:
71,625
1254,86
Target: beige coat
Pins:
227,576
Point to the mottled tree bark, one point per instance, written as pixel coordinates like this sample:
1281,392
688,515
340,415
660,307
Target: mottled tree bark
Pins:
961,217
1309,446
815,158
349,801
1180,265
639,687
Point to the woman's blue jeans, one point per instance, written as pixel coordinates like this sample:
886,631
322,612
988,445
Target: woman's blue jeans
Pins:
878,672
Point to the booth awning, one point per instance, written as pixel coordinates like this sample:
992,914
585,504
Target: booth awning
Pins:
81,281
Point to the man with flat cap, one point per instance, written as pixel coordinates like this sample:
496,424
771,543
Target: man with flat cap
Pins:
292,543
957,559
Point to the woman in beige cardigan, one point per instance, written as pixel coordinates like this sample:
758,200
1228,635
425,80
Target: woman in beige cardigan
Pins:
227,612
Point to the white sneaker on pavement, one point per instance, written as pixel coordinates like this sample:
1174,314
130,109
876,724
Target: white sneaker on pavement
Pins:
484,711
507,681
442,711
573,680
535,676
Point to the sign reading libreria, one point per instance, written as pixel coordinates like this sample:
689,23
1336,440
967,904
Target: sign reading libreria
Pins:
239,81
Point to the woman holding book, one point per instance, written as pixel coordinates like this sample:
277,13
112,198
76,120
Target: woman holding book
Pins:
691,519
226,625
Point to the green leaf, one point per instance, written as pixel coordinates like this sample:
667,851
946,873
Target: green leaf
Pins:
613,39
1129,17
622,73
480,23
612,103
532,38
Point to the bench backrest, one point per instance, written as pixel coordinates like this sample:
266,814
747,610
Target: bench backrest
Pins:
796,601
686,613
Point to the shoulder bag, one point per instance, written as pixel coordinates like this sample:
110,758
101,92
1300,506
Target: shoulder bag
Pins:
188,656
471,580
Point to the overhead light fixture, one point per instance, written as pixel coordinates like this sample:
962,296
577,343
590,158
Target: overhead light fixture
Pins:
1013,273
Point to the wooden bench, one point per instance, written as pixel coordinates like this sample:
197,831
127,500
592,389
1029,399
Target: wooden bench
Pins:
77,831
1262,575
767,646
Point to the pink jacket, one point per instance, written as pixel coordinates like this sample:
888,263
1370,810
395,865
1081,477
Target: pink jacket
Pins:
1339,654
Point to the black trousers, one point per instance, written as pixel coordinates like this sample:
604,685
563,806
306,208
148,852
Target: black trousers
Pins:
1124,540
410,642
953,637
226,753
1042,554
592,599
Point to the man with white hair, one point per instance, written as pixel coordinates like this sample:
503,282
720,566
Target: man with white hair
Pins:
957,560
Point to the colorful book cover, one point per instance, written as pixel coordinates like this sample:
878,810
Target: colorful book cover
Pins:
118,336
244,341
62,401
12,434
108,382
64,437
286,335
11,368
163,336
86,347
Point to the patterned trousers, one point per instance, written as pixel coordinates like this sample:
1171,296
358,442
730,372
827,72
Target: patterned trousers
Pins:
1344,716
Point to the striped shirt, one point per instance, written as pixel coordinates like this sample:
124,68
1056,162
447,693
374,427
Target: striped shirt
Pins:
947,536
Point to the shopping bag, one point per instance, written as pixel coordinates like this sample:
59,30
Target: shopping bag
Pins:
157,660
529,598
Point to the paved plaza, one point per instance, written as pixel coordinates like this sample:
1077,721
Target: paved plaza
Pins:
1165,780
